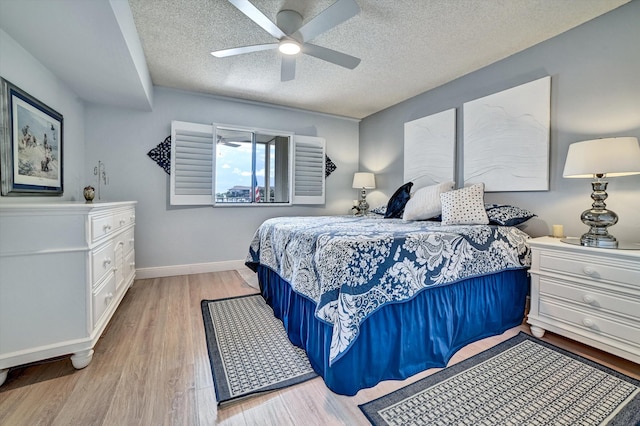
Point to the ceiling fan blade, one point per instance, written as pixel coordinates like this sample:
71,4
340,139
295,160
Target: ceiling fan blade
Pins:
331,55
245,49
258,17
334,15
288,70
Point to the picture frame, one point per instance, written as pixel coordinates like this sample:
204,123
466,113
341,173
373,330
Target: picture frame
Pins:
31,145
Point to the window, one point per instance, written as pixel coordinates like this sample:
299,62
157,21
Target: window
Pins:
251,166
244,166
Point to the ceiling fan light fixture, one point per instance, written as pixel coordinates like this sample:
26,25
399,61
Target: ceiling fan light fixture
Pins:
289,47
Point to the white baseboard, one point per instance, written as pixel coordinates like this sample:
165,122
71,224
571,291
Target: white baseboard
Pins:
194,268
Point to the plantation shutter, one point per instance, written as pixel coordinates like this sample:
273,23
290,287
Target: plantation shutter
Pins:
308,170
192,163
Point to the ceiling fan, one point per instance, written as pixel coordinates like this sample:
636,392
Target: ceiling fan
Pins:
293,37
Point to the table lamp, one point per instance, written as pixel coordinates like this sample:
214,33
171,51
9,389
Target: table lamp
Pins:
599,159
364,181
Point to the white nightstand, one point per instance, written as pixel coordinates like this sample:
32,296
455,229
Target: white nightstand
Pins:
587,294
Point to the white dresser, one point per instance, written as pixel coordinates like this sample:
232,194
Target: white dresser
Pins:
64,268
588,294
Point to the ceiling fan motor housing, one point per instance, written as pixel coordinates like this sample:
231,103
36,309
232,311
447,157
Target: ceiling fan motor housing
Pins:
289,21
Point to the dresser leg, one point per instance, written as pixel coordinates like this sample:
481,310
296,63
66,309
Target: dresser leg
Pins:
3,375
81,359
537,331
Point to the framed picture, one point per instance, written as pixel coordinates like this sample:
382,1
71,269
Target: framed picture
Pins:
30,145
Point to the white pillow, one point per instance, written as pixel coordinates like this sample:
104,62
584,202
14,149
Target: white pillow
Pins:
464,206
425,202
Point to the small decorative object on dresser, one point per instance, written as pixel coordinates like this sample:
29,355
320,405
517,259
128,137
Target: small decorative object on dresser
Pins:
64,268
89,193
587,294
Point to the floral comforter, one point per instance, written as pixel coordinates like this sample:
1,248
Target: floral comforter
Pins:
352,266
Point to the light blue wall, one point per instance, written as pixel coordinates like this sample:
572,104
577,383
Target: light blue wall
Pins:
595,92
121,138
169,235
23,70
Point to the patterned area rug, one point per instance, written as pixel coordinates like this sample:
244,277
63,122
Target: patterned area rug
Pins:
249,350
523,381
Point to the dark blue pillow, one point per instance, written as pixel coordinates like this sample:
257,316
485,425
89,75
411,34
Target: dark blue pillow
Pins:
395,206
506,215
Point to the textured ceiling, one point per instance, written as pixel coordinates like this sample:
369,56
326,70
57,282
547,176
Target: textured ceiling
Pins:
407,47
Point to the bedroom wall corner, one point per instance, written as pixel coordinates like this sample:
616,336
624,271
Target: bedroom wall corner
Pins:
595,92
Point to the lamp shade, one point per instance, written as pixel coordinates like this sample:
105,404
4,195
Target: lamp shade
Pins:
607,156
364,180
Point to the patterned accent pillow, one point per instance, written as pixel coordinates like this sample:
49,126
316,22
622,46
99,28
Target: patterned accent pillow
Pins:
464,206
381,210
506,215
425,202
395,206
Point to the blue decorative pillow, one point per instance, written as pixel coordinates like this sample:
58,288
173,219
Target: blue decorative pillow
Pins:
395,206
506,215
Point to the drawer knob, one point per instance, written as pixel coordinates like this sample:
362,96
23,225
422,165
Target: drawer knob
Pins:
122,222
106,228
588,322
106,262
588,270
588,299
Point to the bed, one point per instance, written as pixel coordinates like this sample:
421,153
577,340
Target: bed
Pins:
376,299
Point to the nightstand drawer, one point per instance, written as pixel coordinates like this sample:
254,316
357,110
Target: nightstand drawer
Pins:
629,332
588,267
592,299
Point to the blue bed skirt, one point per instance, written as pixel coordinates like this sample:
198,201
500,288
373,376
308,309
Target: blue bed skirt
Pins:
401,339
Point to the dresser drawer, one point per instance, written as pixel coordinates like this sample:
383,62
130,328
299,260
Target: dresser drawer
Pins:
124,218
592,299
127,239
129,266
589,267
102,261
101,226
103,297
598,325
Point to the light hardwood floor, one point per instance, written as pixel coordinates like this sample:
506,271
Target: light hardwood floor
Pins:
151,368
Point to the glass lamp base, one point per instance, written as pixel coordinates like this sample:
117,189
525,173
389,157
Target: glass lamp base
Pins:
363,206
599,240
598,218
